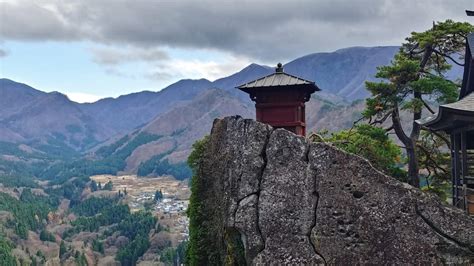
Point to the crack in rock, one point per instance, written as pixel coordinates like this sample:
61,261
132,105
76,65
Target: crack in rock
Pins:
311,241
248,221
469,247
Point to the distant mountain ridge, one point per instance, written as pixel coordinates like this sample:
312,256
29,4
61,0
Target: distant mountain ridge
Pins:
182,112
130,111
341,73
31,116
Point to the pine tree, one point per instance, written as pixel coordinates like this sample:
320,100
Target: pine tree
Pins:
416,75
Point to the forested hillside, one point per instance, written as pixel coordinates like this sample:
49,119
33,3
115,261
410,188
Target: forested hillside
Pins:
75,221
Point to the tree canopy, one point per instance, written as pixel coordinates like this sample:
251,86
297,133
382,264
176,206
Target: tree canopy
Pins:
374,144
416,76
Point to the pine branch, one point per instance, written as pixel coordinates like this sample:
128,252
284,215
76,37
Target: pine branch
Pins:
427,107
448,143
383,119
430,159
447,56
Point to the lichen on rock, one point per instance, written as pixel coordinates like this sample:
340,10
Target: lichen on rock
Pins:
287,200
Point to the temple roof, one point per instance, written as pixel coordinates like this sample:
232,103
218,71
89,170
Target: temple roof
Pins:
452,115
278,79
461,113
465,104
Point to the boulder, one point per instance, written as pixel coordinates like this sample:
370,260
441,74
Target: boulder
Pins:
275,198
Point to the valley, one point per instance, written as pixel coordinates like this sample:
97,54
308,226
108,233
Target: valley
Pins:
111,219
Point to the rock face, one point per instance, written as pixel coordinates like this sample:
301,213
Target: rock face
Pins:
288,201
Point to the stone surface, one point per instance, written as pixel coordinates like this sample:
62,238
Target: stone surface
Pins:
296,202
287,192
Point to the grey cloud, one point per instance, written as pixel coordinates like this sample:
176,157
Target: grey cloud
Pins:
259,29
115,72
114,56
160,75
27,20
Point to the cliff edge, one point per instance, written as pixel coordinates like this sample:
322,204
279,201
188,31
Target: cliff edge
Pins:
268,197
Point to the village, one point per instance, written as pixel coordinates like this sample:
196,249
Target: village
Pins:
140,193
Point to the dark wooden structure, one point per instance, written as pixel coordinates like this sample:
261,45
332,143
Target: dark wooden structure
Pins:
457,119
280,99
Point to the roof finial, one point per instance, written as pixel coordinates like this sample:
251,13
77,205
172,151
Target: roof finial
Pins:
279,68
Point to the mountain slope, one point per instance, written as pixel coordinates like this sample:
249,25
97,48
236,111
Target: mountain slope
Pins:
344,71
129,111
133,110
182,125
44,119
16,96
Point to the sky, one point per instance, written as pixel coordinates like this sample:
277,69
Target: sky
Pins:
91,49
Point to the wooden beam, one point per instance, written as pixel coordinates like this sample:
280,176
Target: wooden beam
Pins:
469,127
464,165
456,169
453,169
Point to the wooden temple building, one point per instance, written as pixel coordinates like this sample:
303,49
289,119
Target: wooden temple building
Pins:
280,99
457,119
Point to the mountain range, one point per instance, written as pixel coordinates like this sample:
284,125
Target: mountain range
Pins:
177,115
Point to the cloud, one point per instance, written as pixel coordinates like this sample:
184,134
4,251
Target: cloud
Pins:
3,53
211,70
161,75
28,20
113,71
83,97
266,30
115,56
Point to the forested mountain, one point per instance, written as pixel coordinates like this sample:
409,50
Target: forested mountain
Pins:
175,116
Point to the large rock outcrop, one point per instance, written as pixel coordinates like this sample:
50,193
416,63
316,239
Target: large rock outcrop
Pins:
274,198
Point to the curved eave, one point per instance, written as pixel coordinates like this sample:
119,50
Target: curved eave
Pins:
448,119
276,80
311,88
